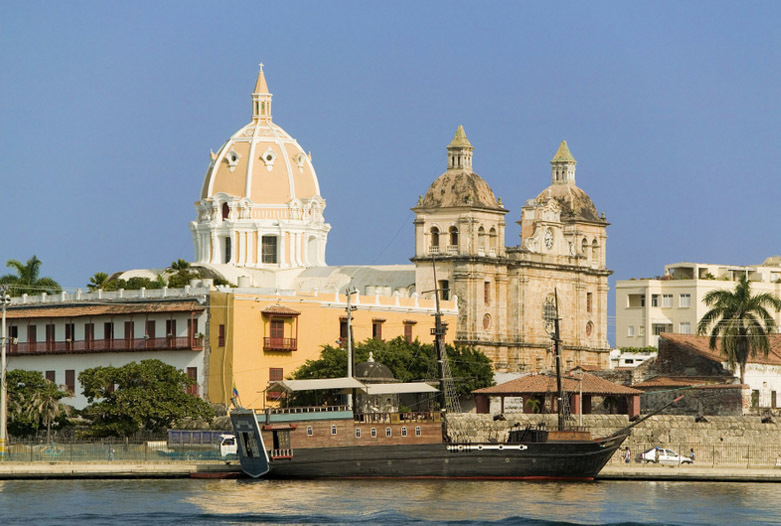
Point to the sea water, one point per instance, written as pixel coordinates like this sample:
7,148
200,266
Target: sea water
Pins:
359,502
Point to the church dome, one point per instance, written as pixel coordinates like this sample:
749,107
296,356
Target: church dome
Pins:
574,202
459,185
260,204
261,162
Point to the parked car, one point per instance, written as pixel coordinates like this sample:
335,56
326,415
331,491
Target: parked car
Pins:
660,455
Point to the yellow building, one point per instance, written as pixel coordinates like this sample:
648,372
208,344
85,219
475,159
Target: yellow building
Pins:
256,337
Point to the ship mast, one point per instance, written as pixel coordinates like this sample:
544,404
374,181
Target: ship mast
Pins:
557,354
439,331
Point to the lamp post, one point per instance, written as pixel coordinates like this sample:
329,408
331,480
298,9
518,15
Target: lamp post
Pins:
5,299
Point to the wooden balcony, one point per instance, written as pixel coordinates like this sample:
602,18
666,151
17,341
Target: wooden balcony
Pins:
280,344
183,343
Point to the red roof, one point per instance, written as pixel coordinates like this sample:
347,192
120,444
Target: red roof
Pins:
279,310
544,384
701,345
686,381
72,311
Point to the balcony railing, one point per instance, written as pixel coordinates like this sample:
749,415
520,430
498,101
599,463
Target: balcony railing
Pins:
279,344
116,345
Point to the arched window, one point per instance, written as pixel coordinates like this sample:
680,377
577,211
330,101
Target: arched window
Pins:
595,250
434,239
226,210
492,241
453,236
481,240
584,247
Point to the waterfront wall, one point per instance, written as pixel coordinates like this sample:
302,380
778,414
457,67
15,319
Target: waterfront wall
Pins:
726,440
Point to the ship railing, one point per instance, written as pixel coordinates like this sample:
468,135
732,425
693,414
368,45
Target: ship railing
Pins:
280,454
306,409
396,418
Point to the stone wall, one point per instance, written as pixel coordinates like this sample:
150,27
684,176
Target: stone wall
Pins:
660,430
724,400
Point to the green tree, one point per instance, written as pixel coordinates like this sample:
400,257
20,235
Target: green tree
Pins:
27,279
98,281
135,283
33,403
182,274
148,395
408,361
742,322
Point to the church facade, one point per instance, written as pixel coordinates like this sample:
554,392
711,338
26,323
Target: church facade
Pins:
260,224
507,295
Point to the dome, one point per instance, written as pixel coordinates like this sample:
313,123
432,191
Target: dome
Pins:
459,185
374,371
261,161
573,200
260,203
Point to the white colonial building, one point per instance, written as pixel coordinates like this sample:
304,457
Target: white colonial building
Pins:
63,334
646,308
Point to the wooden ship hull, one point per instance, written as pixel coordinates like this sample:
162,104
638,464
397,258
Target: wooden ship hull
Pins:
409,449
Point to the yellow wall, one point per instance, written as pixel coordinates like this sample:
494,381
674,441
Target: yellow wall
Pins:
244,361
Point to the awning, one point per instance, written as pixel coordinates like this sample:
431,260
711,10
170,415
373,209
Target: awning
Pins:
401,388
316,385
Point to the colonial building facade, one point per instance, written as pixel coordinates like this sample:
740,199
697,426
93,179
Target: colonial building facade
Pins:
507,295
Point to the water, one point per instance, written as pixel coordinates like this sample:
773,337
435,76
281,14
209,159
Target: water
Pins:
369,502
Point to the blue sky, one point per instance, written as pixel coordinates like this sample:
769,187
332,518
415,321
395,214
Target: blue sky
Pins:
108,111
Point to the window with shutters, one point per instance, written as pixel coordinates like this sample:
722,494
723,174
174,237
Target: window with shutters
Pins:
275,374
192,374
70,381
51,376
377,328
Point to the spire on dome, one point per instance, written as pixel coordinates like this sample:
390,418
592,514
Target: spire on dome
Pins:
260,85
563,165
459,151
261,98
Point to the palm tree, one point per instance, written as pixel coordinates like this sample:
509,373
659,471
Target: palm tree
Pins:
27,280
45,407
98,281
741,320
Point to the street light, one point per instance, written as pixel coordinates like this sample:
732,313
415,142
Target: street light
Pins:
5,299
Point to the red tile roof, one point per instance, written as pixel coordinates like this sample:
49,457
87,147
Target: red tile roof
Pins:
280,310
102,309
701,345
686,381
543,383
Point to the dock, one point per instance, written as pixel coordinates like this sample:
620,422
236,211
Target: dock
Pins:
118,470
689,473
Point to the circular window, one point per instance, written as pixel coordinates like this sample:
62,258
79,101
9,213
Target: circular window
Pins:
487,321
269,157
589,328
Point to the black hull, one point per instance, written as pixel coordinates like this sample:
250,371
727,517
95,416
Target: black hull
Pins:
541,461
552,459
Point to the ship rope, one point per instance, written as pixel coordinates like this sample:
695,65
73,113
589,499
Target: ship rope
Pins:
452,403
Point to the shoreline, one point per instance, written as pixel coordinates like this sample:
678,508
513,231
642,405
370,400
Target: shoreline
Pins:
218,469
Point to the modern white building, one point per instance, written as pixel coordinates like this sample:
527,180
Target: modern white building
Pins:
673,303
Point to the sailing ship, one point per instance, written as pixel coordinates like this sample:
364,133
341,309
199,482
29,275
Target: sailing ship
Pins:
345,442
